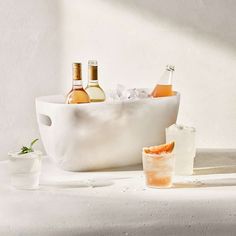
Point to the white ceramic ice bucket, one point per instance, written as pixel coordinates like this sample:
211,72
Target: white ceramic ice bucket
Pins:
102,135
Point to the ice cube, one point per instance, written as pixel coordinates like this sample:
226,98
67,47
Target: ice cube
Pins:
142,93
176,127
112,95
120,89
120,93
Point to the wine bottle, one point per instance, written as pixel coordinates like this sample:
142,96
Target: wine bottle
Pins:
77,94
93,89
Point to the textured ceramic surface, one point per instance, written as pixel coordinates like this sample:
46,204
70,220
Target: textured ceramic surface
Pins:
102,135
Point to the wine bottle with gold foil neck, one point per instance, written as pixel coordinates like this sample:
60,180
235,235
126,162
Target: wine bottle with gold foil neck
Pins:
77,94
93,89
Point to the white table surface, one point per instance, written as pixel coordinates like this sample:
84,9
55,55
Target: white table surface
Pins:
119,203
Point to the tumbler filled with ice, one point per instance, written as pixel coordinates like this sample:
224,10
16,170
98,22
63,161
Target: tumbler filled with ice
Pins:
185,150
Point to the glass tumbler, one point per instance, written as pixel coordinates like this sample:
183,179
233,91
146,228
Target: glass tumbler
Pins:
25,169
158,169
185,149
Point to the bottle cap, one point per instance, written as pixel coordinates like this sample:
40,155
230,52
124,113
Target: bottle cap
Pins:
92,62
170,68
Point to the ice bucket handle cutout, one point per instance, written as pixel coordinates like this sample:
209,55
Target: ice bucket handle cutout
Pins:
45,113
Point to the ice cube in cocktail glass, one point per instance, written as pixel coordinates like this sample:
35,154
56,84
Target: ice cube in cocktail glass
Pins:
185,150
158,169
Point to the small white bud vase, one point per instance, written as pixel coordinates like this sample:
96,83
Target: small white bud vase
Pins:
25,169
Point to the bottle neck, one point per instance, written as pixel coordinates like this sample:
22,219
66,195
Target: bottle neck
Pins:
77,84
93,83
77,76
170,77
93,74
169,70
166,78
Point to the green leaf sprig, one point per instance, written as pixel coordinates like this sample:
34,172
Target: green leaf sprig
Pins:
25,149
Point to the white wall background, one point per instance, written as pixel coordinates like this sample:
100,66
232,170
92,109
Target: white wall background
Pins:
29,66
133,40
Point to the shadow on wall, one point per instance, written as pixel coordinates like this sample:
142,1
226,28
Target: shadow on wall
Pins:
207,19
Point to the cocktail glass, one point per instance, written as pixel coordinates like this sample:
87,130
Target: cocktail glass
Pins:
25,169
158,169
185,151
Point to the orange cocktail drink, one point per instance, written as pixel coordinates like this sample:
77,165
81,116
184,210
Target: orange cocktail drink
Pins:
158,168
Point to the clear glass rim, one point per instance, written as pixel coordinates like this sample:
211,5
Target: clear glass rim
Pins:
34,154
181,128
